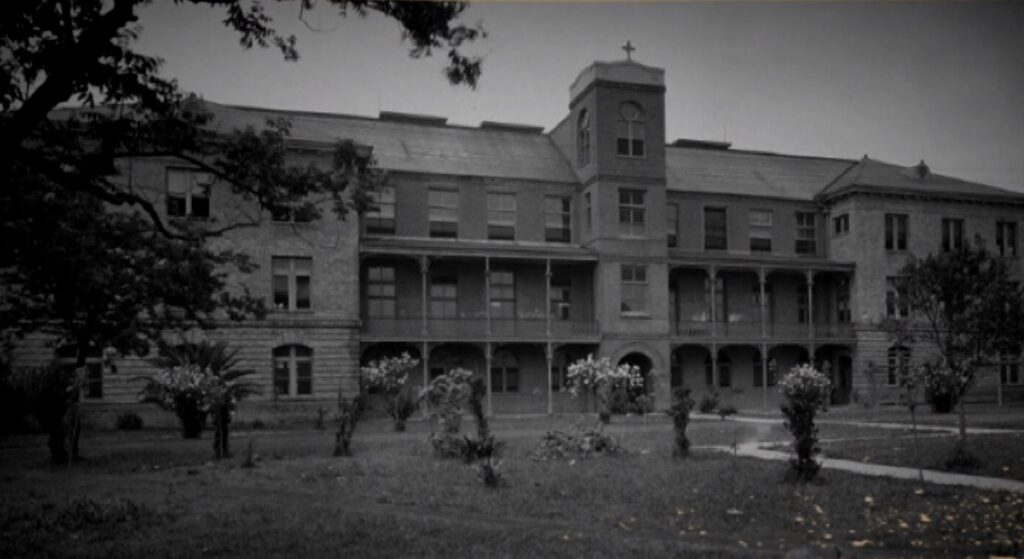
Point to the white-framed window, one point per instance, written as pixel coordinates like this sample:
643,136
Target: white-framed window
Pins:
292,282
501,216
588,213
67,357
1009,369
632,212
896,226
631,133
898,364
583,139
443,213
380,217
806,236
803,307
895,305
503,294
188,192
444,296
504,372
557,219
1006,238
760,230
672,225
293,370
716,232
840,225
561,297
952,234
634,289
380,292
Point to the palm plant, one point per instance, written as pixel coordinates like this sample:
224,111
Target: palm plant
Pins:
223,387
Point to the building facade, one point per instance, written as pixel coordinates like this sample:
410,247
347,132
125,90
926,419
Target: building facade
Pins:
512,252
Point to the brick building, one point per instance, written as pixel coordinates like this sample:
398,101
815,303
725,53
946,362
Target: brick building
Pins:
514,251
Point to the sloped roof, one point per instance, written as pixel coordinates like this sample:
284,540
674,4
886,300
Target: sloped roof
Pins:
745,173
418,147
878,176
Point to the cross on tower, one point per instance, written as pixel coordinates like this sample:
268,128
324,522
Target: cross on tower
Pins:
629,48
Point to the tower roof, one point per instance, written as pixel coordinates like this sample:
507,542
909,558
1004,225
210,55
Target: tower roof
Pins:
619,71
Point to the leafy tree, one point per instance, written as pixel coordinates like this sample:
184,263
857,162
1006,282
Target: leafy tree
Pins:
965,306
89,259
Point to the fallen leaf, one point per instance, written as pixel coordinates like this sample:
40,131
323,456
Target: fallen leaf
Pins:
869,500
860,543
925,519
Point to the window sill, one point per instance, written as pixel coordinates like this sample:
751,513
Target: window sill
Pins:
634,314
636,157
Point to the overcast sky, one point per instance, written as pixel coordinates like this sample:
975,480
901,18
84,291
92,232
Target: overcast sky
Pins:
901,82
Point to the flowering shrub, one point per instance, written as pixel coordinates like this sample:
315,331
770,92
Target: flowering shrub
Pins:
806,390
447,397
184,391
601,377
389,374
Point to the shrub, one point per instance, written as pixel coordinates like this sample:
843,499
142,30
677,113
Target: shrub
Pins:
389,375
805,391
129,421
258,424
680,413
349,414
50,394
602,378
726,410
578,442
961,459
447,397
708,402
320,419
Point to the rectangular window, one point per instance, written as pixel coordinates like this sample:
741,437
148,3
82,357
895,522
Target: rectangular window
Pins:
380,291
760,230
587,212
1009,369
631,212
291,283
634,289
558,374
895,306
672,225
715,231
802,306
806,237
188,193
444,297
1006,238
952,234
898,364
443,213
843,315
840,225
503,294
557,219
505,379
769,300
896,231
716,308
380,218
561,297
293,370
501,216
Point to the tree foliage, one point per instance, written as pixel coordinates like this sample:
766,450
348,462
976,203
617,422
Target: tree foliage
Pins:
965,305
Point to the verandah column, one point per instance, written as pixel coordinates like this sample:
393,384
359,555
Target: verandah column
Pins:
551,359
810,304
714,367
424,272
764,376
762,277
547,295
713,278
487,297
487,377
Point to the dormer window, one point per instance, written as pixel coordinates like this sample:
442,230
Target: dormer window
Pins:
631,130
583,139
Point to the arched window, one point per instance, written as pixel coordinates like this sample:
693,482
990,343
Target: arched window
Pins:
898,360
631,130
583,139
67,357
504,372
293,370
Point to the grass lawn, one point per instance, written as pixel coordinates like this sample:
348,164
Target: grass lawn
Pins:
151,494
1001,455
